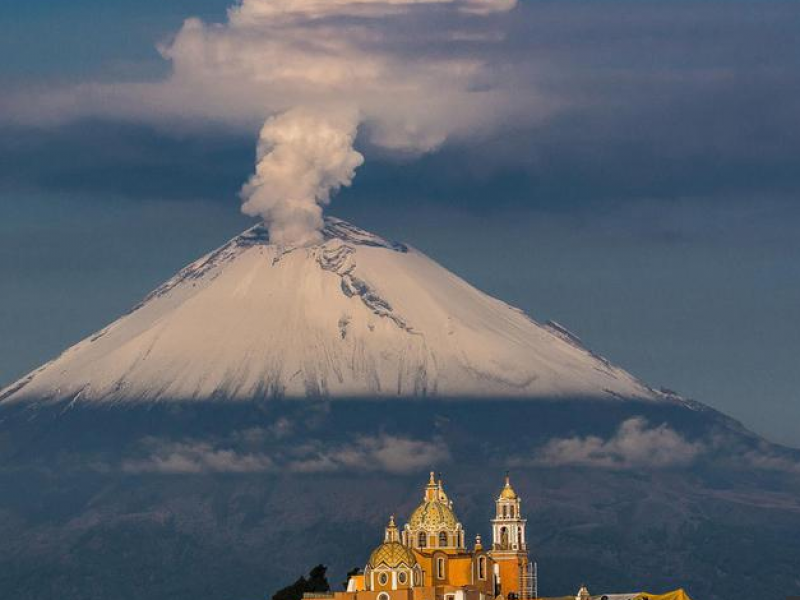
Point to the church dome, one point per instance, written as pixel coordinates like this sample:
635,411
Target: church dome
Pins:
433,514
392,555
508,493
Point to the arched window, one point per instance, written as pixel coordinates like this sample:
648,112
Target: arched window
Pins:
423,540
519,537
505,510
482,567
383,596
443,539
504,537
440,568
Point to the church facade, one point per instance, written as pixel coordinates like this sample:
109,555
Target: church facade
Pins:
429,558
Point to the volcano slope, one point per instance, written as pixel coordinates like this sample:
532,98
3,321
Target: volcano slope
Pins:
267,408
233,500
354,316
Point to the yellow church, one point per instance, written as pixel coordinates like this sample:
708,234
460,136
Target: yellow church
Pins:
428,558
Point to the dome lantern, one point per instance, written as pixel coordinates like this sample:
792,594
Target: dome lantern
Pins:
433,524
391,534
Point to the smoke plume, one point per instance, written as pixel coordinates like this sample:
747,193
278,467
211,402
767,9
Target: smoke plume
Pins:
303,157
311,54
412,73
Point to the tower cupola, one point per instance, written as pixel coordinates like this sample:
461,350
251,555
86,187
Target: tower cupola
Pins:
508,526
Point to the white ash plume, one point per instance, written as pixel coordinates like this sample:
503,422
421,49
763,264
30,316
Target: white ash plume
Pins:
303,157
414,72
419,72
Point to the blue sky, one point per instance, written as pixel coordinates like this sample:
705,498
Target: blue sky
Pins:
655,213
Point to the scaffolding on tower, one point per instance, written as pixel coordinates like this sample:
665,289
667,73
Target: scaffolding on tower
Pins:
529,584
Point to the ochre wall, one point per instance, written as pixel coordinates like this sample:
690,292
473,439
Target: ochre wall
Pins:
510,569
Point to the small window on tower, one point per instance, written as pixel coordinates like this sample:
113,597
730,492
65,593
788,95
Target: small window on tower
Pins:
383,578
443,539
402,577
423,539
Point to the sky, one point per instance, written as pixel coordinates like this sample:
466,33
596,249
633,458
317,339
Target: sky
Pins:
628,169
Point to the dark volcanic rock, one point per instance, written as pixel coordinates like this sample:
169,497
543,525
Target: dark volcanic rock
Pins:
235,500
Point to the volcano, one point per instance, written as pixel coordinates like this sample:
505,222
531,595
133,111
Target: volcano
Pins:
355,316
268,407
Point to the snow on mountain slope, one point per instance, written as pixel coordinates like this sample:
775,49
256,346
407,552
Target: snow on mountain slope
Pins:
354,316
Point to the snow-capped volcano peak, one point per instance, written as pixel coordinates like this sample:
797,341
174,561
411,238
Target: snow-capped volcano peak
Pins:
354,316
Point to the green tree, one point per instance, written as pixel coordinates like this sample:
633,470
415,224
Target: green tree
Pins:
316,582
350,573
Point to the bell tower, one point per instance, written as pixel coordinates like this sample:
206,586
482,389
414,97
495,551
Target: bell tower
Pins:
515,573
508,526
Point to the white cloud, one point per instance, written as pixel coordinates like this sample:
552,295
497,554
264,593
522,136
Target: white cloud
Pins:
255,10
408,74
635,444
383,453
195,457
416,71
767,459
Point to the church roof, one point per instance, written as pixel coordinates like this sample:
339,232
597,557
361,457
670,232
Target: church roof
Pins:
392,555
436,510
433,514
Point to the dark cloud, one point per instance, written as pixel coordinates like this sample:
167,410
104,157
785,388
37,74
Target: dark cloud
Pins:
656,102
129,160
653,102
